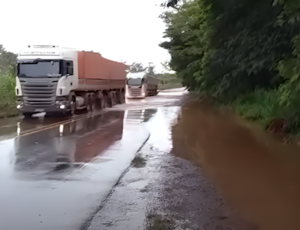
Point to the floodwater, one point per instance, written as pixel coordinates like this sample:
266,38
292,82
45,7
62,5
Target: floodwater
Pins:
56,172
257,174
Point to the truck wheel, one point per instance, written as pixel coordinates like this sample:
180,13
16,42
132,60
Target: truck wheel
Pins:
115,99
103,102
27,115
121,97
109,101
90,104
72,106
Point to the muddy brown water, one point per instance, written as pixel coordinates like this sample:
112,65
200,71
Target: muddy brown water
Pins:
256,174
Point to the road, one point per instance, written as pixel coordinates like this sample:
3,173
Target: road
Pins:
55,172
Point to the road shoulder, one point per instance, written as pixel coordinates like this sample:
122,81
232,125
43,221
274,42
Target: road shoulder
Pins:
161,191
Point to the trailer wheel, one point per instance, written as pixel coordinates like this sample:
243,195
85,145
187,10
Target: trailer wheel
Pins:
121,97
103,102
111,99
114,99
108,101
90,107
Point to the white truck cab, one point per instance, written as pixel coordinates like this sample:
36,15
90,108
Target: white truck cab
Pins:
141,85
46,76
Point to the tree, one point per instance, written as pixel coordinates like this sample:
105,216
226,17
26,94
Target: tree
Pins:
227,48
136,67
150,69
170,3
8,62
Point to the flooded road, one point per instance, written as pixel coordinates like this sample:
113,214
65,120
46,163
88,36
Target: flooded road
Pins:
55,172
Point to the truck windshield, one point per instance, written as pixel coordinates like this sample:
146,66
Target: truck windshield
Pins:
39,69
137,81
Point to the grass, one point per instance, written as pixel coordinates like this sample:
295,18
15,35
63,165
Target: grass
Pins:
7,96
169,81
169,86
262,106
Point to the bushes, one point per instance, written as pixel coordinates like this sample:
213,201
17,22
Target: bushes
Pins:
169,81
242,53
7,83
258,105
7,96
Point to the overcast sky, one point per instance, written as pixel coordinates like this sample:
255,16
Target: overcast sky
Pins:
127,30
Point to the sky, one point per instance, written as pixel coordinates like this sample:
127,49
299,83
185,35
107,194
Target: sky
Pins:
121,30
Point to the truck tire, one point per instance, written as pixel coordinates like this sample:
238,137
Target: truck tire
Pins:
72,102
115,99
121,97
90,107
103,103
110,100
72,107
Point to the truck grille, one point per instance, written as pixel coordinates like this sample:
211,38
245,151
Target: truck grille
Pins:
134,92
37,92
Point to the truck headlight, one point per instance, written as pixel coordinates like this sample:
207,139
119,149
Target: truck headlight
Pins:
19,104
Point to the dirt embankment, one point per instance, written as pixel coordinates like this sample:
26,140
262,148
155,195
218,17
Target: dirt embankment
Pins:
257,174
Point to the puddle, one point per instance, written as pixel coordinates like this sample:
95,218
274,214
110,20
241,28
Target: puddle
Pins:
139,184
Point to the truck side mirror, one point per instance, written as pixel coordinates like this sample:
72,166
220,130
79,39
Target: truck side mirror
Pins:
70,70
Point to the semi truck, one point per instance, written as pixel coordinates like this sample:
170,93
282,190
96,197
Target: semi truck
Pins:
141,85
54,79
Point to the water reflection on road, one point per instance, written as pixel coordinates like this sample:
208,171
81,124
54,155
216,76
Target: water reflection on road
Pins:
56,178
69,146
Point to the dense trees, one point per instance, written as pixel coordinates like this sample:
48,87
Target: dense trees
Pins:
238,49
7,83
138,67
7,62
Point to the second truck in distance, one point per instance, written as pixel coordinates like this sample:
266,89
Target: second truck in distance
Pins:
141,85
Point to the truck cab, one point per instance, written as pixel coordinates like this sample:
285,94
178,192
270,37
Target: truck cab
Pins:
46,76
141,85
136,85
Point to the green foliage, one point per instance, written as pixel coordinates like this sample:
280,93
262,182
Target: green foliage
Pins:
7,95
188,32
7,83
248,43
8,62
240,52
258,105
168,81
136,67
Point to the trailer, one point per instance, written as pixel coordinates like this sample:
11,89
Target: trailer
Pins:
141,85
54,79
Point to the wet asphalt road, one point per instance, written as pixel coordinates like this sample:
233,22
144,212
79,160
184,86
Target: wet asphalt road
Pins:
56,171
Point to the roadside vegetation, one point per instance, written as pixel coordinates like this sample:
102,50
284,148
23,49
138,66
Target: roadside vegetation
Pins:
244,54
168,81
7,83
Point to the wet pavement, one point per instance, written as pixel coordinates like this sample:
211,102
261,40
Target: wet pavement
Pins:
56,172
163,192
